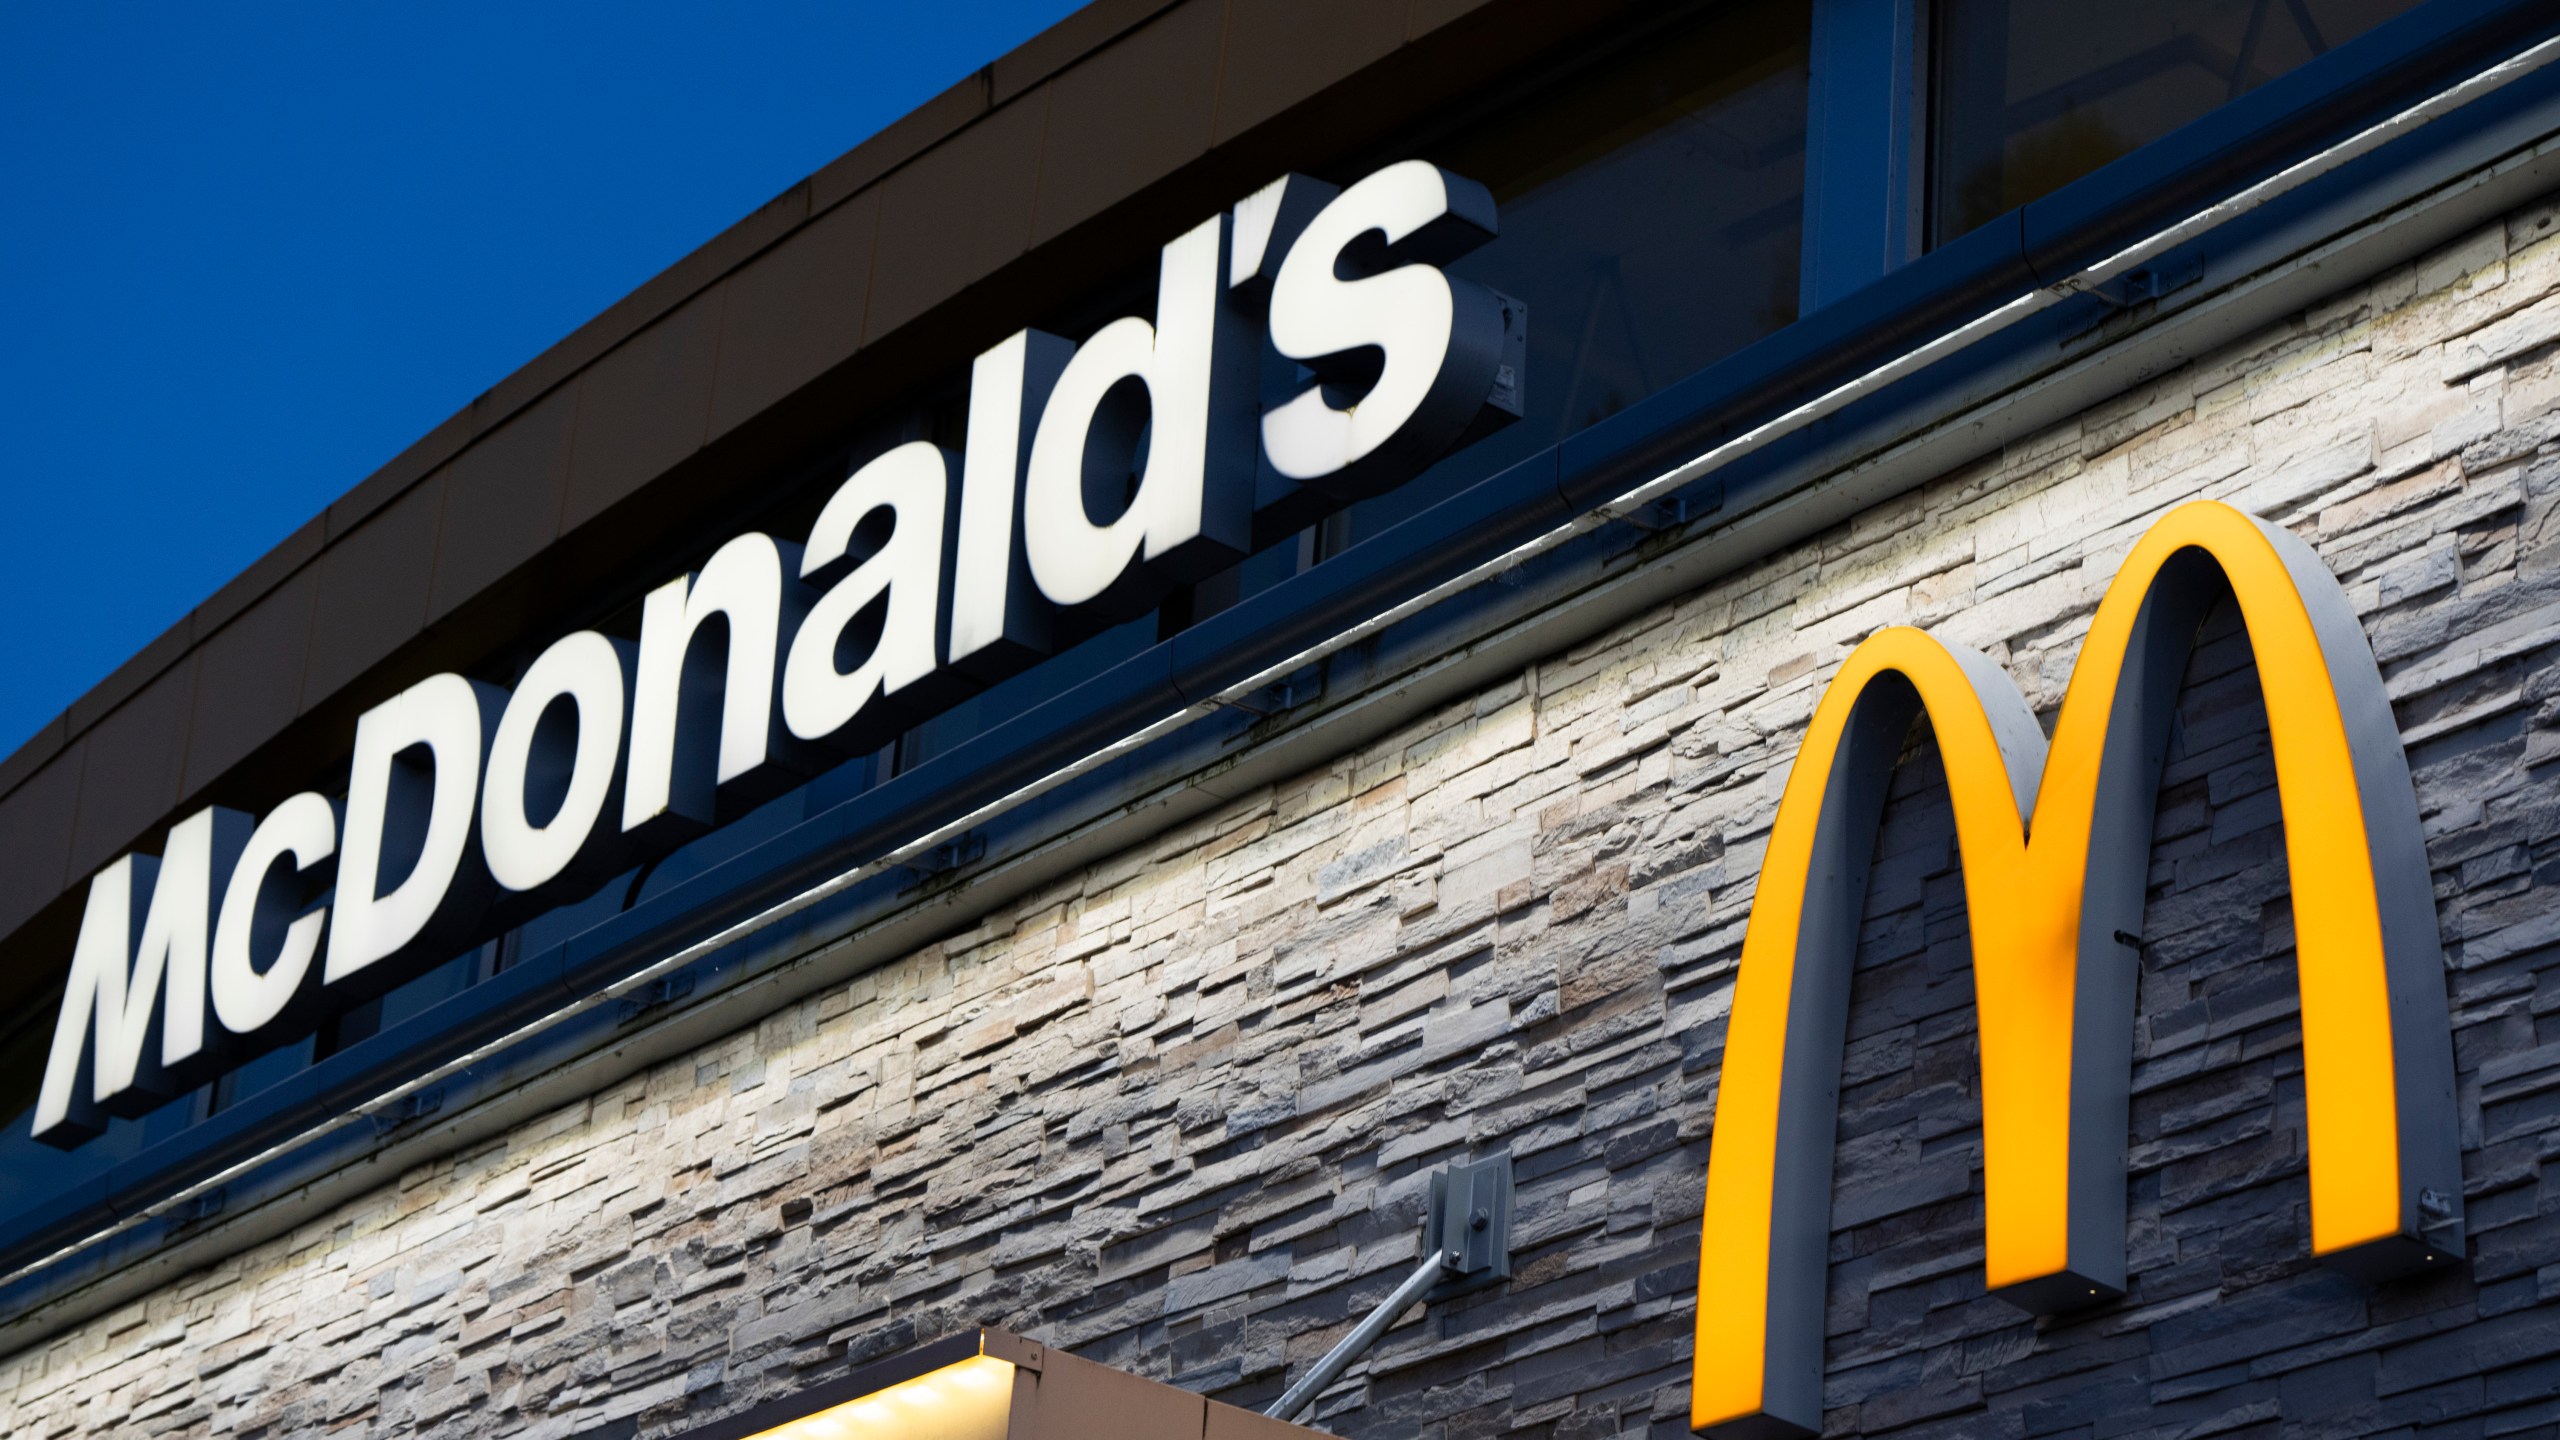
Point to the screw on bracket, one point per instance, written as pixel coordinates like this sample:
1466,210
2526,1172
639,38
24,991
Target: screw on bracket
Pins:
2436,1211
408,1109
1276,698
2440,1223
196,1209
1674,511
965,849
2151,282
665,990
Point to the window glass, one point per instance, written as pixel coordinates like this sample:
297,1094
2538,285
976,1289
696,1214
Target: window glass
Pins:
2033,94
1652,209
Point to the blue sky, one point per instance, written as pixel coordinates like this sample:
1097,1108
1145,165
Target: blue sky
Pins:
248,253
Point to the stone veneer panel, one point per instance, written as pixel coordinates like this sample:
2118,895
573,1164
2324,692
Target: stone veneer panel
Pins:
1177,1114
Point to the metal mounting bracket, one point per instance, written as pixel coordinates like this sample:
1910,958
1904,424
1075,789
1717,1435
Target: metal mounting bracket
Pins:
1470,1220
2151,282
1466,1245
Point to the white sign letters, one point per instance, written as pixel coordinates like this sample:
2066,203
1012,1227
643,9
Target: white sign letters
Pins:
1096,478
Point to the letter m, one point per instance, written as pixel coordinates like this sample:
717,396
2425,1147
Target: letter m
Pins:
2055,844
136,1012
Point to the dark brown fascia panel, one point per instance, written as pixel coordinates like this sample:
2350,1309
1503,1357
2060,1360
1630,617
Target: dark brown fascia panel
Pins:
1065,43
1217,95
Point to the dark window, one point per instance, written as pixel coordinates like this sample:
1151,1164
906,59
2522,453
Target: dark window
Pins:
1652,208
2033,94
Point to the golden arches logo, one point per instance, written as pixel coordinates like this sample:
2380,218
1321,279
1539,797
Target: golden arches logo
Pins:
2055,843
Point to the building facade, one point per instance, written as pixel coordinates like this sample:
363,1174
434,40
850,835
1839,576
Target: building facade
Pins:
1128,997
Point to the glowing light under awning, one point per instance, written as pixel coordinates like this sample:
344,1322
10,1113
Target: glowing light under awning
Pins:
970,1400
991,1384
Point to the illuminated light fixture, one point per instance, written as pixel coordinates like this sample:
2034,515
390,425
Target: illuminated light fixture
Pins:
992,1385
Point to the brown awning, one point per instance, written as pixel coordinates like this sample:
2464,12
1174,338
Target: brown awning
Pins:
993,1385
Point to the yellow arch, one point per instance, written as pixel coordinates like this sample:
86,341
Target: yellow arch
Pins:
2028,870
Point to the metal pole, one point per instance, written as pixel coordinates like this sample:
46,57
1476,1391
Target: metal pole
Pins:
1435,1267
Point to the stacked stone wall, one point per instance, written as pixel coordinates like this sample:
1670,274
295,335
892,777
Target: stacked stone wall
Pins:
1178,1112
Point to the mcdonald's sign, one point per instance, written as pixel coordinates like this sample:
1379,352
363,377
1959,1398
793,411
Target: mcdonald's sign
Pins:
2055,841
